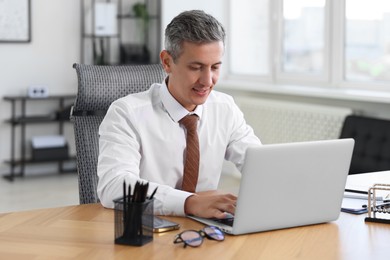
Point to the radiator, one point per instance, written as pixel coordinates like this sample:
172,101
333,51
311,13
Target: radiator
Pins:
277,121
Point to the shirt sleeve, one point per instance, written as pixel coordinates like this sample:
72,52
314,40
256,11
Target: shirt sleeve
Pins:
242,136
119,161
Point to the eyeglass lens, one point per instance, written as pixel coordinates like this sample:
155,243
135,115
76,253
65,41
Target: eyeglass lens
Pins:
214,233
194,238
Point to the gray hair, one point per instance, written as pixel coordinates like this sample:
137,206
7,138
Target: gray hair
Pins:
192,26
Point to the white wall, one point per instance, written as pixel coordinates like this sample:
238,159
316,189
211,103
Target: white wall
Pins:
46,60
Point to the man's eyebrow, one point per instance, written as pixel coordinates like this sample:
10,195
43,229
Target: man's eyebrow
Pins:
202,64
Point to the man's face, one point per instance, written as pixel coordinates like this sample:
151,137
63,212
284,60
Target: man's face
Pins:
195,72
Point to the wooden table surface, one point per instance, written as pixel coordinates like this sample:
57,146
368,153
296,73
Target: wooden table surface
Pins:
87,232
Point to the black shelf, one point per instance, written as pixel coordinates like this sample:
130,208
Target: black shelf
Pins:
92,36
132,16
31,119
36,120
19,103
51,97
31,161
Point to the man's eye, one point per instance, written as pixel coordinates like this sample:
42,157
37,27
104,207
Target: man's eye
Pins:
195,68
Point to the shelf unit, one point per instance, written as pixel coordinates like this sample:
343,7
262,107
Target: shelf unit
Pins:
19,103
133,40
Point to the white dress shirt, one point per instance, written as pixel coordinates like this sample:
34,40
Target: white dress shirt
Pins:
141,139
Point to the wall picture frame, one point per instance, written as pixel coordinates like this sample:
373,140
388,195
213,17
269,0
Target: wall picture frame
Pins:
15,21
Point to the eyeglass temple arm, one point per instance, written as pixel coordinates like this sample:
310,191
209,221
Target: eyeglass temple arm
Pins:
178,240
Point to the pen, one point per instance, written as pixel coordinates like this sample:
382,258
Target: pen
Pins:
124,190
145,194
129,195
136,192
154,192
124,201
356,191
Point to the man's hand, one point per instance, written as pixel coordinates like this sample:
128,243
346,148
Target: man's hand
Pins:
210,204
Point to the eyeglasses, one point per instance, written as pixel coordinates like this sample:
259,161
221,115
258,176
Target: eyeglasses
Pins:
195,238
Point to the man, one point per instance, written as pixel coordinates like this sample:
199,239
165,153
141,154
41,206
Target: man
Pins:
142,137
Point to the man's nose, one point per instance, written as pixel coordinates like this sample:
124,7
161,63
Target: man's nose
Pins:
206,78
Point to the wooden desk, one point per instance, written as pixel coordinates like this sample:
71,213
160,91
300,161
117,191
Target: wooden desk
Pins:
87,232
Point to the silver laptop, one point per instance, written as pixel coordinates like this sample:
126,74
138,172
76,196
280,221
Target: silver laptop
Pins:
289,185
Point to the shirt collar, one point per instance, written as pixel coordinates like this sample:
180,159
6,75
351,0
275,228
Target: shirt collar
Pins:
175,110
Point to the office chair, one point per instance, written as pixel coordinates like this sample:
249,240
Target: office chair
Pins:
372,143
98,87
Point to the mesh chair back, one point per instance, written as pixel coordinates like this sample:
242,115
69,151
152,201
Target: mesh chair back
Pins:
98,87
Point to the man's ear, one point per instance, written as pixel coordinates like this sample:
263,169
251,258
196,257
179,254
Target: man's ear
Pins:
166,60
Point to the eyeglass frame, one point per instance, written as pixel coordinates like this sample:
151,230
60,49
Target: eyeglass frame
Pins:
202,234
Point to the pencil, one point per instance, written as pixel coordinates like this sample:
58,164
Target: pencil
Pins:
154,192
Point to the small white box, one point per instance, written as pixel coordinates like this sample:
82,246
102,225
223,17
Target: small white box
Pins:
48,141
105,19
38,91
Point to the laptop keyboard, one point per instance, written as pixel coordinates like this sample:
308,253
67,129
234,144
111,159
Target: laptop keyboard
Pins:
225,221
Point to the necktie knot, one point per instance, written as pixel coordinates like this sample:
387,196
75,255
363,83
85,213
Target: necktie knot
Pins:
190,122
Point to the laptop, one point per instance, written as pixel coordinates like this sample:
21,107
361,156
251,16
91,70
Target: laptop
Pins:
289,185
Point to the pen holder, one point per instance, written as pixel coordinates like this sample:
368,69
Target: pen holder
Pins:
133,222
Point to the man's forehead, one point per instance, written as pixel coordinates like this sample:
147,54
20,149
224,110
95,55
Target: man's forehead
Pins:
205,53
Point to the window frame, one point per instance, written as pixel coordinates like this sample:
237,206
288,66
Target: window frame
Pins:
341,80
303,78
267,78
333,75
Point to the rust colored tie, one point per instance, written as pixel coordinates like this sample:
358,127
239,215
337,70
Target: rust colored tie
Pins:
191,166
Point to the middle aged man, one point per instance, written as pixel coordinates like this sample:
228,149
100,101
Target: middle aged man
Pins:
143,136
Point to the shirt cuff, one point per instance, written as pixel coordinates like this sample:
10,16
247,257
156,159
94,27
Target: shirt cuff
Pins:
173,203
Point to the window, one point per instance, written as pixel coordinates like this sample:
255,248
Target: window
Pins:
249,49
331,42
303,37
367,40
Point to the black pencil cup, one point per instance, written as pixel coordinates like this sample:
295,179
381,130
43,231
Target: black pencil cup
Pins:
133,222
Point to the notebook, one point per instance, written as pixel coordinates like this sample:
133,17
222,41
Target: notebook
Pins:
289,185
